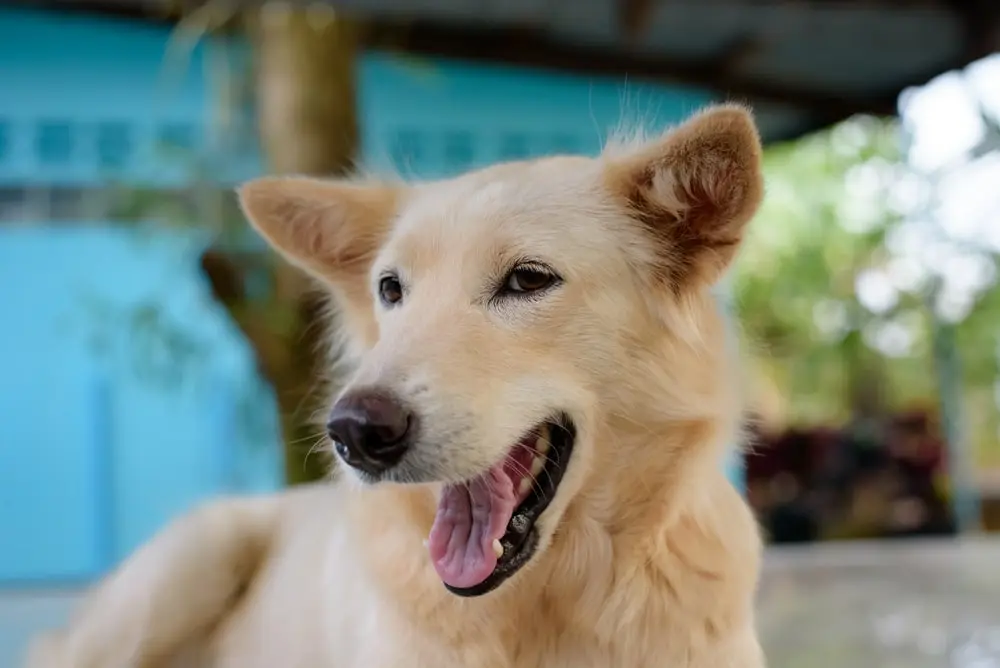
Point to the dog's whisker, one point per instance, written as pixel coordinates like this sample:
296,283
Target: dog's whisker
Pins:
308,437
526,471
556,464
316,447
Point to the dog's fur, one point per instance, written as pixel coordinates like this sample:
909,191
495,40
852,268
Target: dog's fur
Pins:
648,556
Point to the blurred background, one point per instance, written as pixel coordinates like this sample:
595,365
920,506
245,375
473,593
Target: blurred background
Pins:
153,353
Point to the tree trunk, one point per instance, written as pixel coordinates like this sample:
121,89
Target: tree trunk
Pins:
304,59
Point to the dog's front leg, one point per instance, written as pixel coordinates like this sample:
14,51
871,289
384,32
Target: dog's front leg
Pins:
169,594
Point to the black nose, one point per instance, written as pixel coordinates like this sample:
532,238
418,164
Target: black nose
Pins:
369,430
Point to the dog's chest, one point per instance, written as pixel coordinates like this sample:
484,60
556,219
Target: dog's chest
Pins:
360,631
406,645
322,608
579,650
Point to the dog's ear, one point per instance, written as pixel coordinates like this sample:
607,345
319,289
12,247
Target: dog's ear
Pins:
331,229
693,190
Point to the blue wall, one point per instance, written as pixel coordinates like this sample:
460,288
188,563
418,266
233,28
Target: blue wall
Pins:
127,395
101,443
84,100
434,118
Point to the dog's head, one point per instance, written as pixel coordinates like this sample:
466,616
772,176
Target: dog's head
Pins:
497,320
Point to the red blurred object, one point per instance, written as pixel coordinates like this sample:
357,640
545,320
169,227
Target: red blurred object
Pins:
876,478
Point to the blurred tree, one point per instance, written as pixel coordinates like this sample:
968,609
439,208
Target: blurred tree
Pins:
304,66
836,285
304,111
795,283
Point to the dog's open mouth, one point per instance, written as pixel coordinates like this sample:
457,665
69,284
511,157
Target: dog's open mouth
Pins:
484,531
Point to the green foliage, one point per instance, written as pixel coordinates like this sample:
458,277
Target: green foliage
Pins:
832,302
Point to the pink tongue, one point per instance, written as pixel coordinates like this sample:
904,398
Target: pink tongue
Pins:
469,518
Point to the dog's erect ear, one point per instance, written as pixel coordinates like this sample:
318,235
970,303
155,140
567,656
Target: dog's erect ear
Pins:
694,190
332,229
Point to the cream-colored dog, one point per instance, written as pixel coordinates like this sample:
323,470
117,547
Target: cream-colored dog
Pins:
539,400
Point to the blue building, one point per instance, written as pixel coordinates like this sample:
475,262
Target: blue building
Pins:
127,395
125,387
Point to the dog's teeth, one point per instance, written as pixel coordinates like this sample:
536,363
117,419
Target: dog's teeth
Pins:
537,464
497,548
543,444
523,488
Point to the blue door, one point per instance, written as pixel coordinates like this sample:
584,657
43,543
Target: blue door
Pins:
126,397
52,464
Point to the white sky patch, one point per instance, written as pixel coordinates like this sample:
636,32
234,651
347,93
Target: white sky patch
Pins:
944,120
949,230
891,338
969,208
875,291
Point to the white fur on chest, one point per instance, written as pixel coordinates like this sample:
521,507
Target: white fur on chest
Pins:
314,606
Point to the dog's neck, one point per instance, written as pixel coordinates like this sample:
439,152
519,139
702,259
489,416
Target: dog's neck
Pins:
638,505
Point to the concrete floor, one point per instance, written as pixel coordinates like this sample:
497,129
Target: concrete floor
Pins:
883,605
23,613
863,605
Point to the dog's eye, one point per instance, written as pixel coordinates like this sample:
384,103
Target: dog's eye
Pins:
527,279
390,290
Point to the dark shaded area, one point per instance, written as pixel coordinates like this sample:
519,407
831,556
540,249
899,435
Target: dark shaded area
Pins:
884,477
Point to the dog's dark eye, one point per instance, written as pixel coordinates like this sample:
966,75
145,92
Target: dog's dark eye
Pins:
527,279
390,290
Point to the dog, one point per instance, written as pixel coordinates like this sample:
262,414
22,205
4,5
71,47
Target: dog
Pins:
540,391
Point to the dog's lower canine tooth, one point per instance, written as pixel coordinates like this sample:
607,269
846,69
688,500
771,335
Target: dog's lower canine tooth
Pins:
497,548
525,485
537,464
